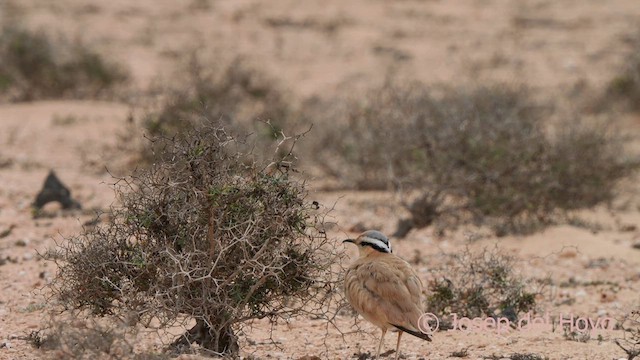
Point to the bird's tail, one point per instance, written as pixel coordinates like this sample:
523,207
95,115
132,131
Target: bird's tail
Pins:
419,334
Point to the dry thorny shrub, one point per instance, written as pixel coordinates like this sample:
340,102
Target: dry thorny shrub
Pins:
478,155
208,234
630,342
35,66
479,284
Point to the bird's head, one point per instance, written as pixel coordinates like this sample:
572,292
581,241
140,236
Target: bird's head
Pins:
371,241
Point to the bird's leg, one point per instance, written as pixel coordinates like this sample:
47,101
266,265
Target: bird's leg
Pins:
398,345
384,331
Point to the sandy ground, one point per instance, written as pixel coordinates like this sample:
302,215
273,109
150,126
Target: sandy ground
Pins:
321,47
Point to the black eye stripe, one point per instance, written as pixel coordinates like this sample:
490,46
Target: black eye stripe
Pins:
376,247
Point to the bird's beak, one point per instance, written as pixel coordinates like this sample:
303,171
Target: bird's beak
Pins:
348,241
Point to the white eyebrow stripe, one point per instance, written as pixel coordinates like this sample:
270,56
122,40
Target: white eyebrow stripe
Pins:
379,243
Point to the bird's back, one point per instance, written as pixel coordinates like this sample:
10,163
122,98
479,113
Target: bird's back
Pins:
385,290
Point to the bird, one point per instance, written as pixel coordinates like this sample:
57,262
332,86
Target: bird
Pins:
384,288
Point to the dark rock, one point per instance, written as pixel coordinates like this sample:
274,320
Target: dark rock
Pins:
54,190
7,232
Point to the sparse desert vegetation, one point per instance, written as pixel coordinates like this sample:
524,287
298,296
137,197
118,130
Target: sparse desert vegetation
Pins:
481,284
235,95
476,155
217,152
35,66
624,88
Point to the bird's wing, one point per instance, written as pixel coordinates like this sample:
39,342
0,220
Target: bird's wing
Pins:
382,293
414,286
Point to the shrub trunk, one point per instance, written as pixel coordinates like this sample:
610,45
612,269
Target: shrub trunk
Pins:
221,340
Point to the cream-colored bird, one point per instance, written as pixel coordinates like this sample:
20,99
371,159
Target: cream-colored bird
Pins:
383,288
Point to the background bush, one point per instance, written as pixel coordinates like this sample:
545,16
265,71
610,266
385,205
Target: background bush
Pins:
487,155
370,142
241,97
205,233
236,95
483,155
34,66
624,88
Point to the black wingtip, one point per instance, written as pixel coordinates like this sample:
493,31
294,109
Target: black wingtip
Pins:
419,334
